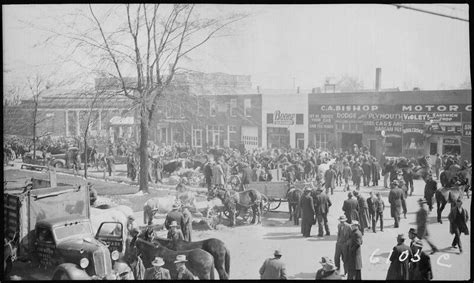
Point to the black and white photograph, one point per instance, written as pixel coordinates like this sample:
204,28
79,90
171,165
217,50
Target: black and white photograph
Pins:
194,141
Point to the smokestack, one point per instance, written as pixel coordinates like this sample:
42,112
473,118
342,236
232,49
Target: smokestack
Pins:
378,77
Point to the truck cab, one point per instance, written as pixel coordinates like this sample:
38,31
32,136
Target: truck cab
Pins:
68,245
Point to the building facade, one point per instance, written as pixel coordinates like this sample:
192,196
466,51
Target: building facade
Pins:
405,123
285,120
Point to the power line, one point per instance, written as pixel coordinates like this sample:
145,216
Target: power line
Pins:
428,12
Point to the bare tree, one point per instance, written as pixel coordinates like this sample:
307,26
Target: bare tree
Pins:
152,42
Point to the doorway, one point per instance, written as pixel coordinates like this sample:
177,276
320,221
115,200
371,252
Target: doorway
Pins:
299,141
349,139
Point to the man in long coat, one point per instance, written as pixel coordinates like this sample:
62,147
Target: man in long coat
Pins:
395,199
404,188
246,176
351,208
430,189
188,223
367,168
217,175
422,225
400,259
375,171
322,204
347,175
330,179
343,238
363,212
208,173
371,209
354,257
357,173
273,268
458,218
420,267
308,212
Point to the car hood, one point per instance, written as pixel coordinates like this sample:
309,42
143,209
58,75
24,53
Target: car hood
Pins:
75,244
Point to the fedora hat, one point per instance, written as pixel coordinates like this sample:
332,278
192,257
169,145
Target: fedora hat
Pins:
400,237
329,266
412,231
324,260
342,218
158,261
174,224
277,252
176,205
180,258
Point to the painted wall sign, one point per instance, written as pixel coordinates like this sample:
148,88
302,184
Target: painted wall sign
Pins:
441,117
413,136
280,118
436,108
450,141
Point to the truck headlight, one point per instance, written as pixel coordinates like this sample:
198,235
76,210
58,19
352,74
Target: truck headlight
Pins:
115,255
84,262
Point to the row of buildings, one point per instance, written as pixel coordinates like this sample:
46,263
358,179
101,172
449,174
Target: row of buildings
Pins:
217,110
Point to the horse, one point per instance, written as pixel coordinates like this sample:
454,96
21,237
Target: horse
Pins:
155,205
444,195
240,202
118,213
200,262
213,246
294,196
9,253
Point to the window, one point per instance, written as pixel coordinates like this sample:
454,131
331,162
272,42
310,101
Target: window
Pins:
269,118
232,129
233,107
199,107
247,107
212,108
321,140
198,138
299,119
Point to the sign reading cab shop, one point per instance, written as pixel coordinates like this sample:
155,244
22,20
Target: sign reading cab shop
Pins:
280,118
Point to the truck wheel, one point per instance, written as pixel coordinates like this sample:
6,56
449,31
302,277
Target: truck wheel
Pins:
58,165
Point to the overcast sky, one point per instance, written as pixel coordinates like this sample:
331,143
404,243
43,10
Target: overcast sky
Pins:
283,45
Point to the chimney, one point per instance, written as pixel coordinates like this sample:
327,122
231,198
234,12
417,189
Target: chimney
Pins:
378,77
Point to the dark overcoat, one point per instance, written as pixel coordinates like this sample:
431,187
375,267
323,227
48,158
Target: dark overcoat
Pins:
395,199
354,257
351,209
363,212
322,203
421,269
307,209
399,270
452,216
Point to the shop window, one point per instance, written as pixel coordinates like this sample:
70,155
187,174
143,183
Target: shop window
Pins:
247,107
269,118
433,148
321,140
299,119
198,137
339,126
233,107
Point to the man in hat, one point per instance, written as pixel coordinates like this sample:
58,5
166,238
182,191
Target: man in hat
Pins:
357,173
379,208
400,259
330,179
174,233
246,176
363,212
420,266
188,223
322,204
207,170
354,257
351,208
413,237
183,272
308,212
422,224
347,175
320,272
330,272
132,226
273,268
395,199
430,189
458,218
371,210
157,272
402,185
343,238
174,215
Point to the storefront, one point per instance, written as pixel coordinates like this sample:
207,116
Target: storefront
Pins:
284,121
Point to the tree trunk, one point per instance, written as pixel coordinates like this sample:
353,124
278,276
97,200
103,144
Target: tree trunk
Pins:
34,130
86,157
144,153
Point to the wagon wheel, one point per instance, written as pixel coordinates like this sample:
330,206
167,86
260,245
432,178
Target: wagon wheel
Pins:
212,217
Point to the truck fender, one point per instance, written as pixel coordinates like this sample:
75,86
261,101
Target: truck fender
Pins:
71,271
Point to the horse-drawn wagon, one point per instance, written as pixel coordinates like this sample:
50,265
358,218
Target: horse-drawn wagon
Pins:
276,192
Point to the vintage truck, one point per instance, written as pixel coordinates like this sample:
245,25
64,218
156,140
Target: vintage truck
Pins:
56,235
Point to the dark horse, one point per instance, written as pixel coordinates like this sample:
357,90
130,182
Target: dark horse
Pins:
213,246
293,196
200,262
444,195
9,253
239,202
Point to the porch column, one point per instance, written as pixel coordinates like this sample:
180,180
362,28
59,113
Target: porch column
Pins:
67,122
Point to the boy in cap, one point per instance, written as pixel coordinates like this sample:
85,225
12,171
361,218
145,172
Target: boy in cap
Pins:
330,272
399,269
320,272
273,268
183,272
157,272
